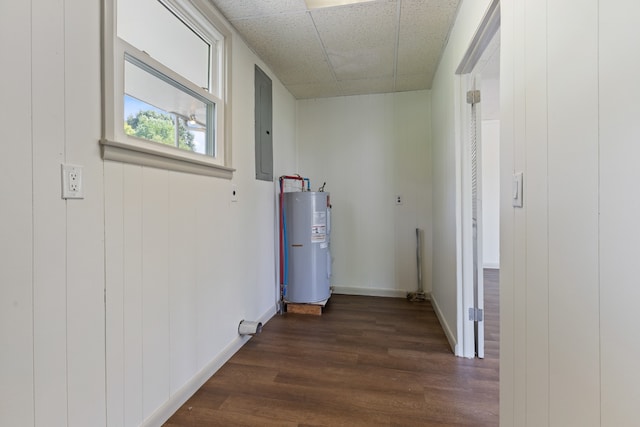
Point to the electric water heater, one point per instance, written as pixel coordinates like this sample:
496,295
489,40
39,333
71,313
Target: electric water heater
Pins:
307,218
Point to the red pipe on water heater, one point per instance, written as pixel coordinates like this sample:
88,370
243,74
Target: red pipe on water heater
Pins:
282,179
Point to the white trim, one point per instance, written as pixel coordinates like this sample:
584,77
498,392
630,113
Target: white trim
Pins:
118,146
465,334
163,157
484,34
165,411
209,31
445,327
465,80
492,265
219,22
370,292
123,49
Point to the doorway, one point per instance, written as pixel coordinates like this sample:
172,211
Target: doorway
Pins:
478,210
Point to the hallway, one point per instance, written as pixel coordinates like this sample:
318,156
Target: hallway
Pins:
366,361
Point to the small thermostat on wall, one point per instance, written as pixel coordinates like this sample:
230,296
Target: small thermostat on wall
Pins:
234,193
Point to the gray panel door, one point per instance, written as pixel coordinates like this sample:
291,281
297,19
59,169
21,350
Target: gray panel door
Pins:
263,125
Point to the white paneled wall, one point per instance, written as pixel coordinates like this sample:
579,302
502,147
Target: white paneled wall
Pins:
573,212
447,168
619,207
537,242
188,264
569,282
52,251
85,219
16,226
509,393
568,258
550,257
168,291
50,215
114,308
369,149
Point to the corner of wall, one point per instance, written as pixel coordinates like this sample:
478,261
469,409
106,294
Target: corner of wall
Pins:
453,343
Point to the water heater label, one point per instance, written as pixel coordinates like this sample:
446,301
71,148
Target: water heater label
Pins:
319,227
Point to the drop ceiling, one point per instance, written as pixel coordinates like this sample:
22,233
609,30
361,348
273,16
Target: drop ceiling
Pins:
373,47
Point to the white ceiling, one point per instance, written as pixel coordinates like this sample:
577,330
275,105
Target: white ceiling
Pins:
374,47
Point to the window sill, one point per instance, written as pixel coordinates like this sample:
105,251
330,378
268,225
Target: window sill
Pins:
157,156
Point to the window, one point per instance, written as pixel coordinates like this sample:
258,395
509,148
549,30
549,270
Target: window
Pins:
157,109
166,93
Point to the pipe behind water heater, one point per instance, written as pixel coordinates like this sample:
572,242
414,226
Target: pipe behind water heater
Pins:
419,295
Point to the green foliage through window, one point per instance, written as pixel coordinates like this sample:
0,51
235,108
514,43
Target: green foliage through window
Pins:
160,127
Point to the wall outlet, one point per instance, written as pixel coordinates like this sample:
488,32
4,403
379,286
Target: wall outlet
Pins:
399,199
72,186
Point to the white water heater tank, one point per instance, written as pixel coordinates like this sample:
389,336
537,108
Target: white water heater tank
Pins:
307,217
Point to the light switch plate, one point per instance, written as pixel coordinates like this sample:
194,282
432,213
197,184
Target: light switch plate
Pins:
517,189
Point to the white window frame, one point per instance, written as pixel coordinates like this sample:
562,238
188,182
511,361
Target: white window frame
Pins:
116,144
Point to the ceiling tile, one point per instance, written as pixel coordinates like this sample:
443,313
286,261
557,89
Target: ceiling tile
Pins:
345,50
424,26
359,39
236,9
314,90
415,58
364,63
289,45
413,82
364,86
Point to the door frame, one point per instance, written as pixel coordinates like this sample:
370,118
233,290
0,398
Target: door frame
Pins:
469,285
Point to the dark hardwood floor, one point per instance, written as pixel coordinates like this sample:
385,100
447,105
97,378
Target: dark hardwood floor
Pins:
492,314
366,361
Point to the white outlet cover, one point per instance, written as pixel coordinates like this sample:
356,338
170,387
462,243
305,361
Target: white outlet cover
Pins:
72,184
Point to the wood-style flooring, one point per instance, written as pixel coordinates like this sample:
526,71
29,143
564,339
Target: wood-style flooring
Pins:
366,361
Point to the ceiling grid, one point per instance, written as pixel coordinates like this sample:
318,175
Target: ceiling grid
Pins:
377,46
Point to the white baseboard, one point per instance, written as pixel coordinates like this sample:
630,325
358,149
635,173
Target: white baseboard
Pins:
370,292
445,326
493,265
165,411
